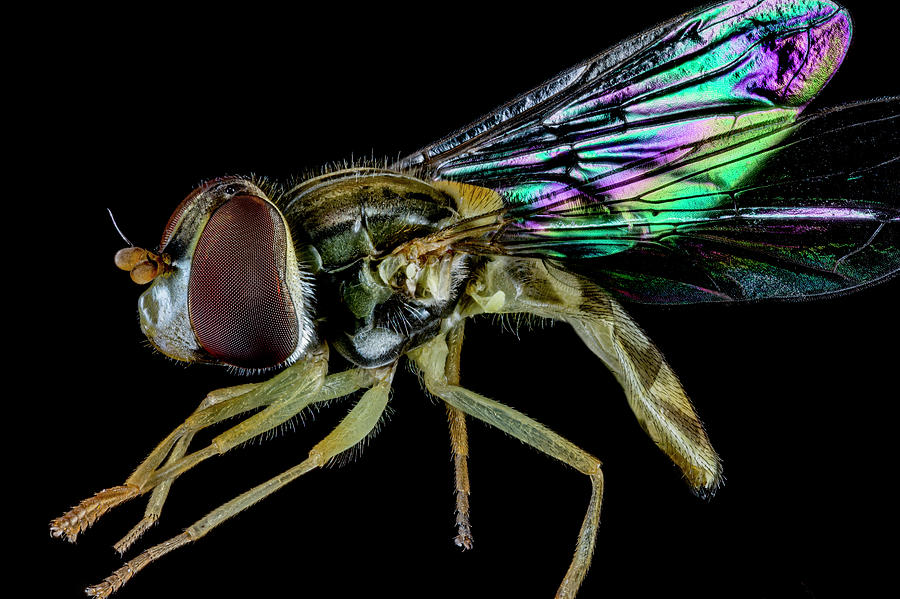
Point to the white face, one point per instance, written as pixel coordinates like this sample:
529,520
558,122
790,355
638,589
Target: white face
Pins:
163,312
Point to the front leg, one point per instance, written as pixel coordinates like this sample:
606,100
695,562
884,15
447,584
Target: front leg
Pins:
284,395
230,401
356,426
161,492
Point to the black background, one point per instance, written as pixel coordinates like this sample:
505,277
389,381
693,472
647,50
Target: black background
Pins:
130,111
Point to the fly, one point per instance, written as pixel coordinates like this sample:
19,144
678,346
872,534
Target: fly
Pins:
675,168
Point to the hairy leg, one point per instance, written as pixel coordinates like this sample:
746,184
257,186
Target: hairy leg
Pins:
652,389
459,442
361,420
284,395
161,492
431,359
334,386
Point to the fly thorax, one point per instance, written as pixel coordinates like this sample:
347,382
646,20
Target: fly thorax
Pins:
381,296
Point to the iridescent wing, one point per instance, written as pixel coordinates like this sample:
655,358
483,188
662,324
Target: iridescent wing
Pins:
674,167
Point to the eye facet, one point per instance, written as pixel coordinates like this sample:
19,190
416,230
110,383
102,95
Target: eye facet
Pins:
238,298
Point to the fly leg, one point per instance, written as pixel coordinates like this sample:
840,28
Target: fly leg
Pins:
82,516
161,492
335,385
361,420
283,393
459,442
655,395
431,359
651,387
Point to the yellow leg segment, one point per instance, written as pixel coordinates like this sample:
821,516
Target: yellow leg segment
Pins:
431,359
284,396
459,442
361,420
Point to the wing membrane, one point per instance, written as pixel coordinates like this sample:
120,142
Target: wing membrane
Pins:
697,73
674,168
823,217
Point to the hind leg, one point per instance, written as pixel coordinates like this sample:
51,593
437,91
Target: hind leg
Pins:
652,389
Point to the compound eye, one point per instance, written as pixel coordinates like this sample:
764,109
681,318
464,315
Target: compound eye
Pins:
245,307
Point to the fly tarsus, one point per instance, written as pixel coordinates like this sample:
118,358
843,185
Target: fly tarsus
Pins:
83,515
114,582
135,533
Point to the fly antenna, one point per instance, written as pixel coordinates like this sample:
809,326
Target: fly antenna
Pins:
143,265
118,230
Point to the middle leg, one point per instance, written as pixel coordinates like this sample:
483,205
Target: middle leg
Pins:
431,358
459,442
